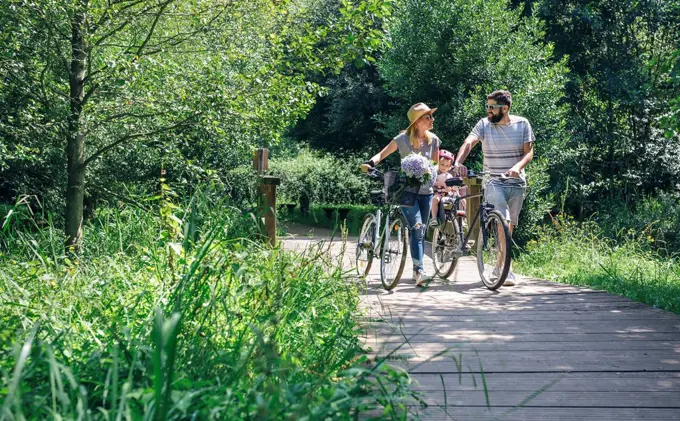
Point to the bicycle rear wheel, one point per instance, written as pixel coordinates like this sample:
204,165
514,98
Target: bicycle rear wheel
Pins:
365,245
393,257
446,248
494,251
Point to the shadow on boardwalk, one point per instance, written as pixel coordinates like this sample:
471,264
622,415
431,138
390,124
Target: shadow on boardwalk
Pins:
545,351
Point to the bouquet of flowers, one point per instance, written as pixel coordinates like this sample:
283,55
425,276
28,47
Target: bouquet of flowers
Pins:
418,170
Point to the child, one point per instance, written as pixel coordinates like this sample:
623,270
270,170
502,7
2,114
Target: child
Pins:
441,189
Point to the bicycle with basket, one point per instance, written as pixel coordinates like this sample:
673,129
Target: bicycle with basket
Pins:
384,233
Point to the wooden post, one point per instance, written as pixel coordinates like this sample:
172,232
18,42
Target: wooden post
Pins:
474,186
261,161
267,189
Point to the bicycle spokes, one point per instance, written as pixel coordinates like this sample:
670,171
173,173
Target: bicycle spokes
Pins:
493,251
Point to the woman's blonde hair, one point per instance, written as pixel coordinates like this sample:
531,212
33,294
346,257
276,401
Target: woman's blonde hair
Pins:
414,136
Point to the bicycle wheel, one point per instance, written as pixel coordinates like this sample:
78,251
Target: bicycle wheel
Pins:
365,245
446,248
393,258
493,251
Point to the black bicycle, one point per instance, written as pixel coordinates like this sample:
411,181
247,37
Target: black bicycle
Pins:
494,242
383,234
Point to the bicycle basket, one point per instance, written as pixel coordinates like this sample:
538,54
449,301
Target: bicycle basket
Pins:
398,191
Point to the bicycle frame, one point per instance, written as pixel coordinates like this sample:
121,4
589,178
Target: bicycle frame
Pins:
380,228
480,217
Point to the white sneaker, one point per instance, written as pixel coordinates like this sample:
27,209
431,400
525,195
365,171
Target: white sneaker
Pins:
419,278
510,280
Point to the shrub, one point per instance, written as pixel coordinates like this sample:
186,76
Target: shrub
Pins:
323,178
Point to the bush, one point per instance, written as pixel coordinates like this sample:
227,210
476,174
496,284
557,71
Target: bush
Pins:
654,218
537,204
318,216
323,178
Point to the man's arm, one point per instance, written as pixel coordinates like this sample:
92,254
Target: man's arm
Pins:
465,149
528,151
463,153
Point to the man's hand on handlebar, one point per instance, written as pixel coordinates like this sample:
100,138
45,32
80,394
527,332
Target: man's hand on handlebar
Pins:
512,173
459,170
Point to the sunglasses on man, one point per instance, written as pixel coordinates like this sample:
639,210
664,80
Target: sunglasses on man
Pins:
492,106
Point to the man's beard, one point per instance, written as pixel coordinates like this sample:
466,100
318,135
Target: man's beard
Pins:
497,118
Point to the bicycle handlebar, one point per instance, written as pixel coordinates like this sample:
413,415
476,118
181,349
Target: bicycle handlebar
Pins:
374,172
502,176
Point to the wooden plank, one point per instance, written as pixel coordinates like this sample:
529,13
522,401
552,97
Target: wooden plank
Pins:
431,348
544,363
543,414
517,328
490,337
539,398
530,316
579,382
421,296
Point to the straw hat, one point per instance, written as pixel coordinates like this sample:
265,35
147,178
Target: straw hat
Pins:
416,111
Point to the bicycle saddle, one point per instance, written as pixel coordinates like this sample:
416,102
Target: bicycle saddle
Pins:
454,182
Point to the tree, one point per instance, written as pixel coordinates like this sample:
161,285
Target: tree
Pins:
617,90
450,54
102,77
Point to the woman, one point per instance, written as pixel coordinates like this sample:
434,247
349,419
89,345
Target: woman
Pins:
417,138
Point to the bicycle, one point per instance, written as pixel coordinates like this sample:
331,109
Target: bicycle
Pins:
385,237
493,248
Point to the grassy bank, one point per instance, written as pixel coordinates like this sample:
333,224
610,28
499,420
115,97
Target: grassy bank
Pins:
580,254
182,317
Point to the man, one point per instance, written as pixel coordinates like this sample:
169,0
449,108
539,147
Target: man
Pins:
508,146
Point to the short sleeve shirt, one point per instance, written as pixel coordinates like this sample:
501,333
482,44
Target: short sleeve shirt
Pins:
503,144
405,148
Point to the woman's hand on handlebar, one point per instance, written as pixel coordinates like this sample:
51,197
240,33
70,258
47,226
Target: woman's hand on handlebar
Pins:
367,165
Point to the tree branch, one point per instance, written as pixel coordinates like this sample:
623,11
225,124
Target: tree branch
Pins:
129,137
153,26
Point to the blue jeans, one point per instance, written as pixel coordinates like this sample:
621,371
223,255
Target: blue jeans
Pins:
417,217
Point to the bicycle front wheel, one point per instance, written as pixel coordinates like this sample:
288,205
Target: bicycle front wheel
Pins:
393,257
446,248
494,250
365,245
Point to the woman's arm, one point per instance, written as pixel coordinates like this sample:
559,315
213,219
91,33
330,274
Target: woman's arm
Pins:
387,150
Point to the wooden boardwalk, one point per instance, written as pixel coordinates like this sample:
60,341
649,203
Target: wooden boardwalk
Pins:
548,351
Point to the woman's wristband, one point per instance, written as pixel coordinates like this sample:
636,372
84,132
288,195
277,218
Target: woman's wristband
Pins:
370,163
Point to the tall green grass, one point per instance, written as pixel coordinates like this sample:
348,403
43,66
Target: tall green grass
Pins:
180,314
581,254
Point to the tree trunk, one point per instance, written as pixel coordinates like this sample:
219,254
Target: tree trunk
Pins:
75,149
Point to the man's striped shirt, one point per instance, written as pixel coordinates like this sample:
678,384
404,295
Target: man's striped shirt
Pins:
503,144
